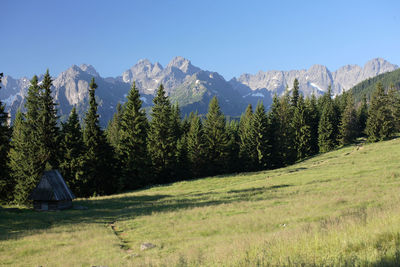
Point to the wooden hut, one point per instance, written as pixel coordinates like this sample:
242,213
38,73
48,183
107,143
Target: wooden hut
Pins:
52,193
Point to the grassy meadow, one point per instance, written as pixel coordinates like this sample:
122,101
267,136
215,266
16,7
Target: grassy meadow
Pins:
336,209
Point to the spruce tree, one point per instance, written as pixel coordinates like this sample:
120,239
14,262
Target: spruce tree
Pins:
261,139
234,162
327,139
380,122
274,133
48,130
313,122
362,114
72,153
295,93
132,143
247,149
349,122
20,163
302,130
27,158
394,106
99,159
6,184
216,139
114,128
196,146
162,140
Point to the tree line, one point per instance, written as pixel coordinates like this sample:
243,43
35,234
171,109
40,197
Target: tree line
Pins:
134,152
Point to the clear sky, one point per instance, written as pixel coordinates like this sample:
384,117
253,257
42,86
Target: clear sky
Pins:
230,37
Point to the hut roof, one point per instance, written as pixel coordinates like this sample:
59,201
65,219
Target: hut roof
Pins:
52,187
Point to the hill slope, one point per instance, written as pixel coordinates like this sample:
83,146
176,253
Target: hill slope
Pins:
368,86
334,209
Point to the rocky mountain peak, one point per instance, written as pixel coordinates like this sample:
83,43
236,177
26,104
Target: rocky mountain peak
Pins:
376,66
89,69
183,64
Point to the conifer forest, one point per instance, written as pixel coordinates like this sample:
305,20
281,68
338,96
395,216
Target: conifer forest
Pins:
138,150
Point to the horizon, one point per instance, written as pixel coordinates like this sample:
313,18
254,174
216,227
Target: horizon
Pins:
224,37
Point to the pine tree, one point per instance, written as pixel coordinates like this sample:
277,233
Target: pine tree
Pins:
132,143
380,122
247,149
349,122
302,130
6,184
216,139
295,93
72,153
261,139
99,159
162,141
48,129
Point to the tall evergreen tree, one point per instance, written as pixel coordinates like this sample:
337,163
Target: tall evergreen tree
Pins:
162,141
48,129
234,162
313,122
27,158
72,153
380,122
327,138
302,130
20,163
132,144
295,93
247,149
99,159
113,129
196,146
328,124
6,183
362,114
261,139
394,106
280,116
216,139
349,122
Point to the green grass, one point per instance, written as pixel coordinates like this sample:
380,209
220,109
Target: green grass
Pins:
336,209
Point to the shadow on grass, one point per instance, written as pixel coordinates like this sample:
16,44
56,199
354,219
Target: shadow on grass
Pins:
17,223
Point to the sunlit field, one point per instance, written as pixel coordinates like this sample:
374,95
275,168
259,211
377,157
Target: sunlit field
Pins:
340,208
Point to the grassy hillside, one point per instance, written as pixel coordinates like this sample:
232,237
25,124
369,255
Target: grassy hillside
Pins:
368,86
340,208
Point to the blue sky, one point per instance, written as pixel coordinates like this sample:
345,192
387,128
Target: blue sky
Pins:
230,37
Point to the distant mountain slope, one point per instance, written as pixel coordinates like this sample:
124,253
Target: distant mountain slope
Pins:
187,85
315,80
368,86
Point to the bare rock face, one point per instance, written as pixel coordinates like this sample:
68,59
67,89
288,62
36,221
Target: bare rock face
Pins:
188,85
315,80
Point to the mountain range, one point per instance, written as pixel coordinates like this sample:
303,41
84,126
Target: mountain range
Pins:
188,85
